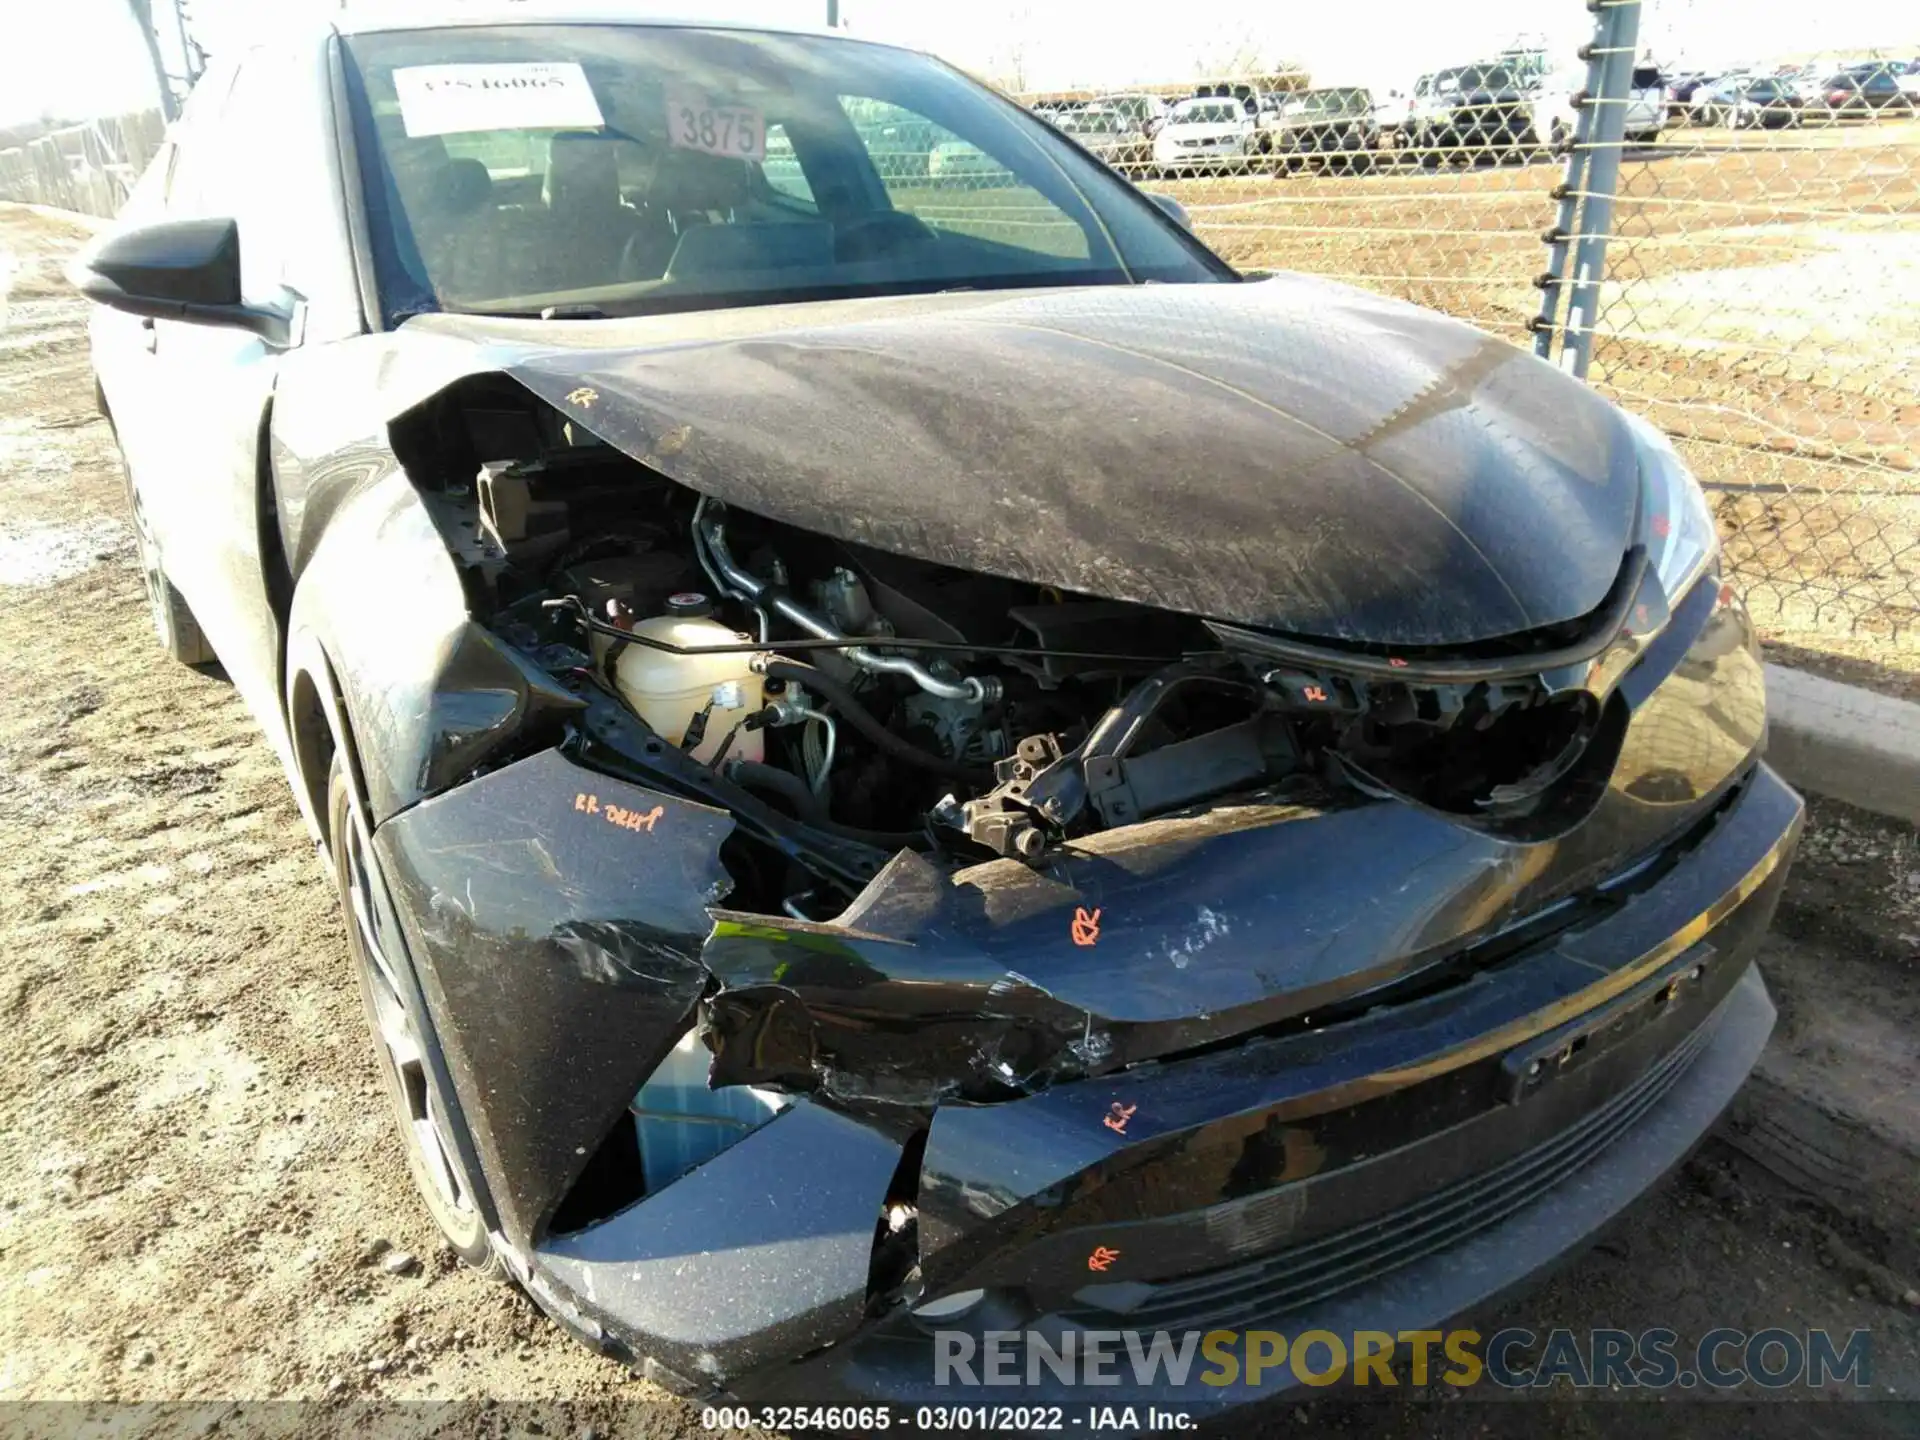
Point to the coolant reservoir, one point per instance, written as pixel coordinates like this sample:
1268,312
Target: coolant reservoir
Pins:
668,690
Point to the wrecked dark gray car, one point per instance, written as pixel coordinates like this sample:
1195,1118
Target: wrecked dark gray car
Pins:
905,749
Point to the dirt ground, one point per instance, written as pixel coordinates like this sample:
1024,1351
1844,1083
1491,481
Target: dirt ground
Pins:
199,1188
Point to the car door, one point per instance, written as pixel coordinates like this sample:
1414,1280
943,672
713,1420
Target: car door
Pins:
121,345
202,488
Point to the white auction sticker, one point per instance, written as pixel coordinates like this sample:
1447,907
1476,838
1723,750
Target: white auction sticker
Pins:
529,95
697,122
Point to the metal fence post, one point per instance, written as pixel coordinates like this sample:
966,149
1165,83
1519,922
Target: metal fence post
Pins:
1566,195
1616,43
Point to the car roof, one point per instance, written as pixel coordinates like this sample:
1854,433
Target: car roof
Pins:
374,18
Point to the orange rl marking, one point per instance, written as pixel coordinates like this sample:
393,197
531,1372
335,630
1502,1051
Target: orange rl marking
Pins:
1118,1116
1662,526
1315,694
1086,926
1102,1258
1396,662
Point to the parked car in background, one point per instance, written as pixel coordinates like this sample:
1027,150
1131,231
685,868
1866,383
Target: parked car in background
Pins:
1206,132
1853,94
900,143
1471,110
1552,98
1646,105
1247,95
1051,110
1149,112
951,160
1335,127
1680,88
1761,102
1107,134
1392,110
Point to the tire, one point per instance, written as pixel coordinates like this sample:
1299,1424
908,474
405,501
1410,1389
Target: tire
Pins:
401,1039
173,623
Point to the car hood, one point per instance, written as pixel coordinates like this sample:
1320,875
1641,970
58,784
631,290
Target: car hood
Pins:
1324,117
1223,130
1288,454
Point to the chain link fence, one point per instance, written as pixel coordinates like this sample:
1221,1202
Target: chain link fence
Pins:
1762,305
1742,269
1737,257
88,168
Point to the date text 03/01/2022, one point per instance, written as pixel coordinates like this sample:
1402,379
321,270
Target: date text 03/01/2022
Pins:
937,1419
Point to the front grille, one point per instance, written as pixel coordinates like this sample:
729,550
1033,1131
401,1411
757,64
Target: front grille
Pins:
1286,1281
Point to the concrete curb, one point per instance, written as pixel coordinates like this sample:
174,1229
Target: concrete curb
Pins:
1839,740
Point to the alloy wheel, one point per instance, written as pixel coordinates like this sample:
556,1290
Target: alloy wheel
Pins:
397,1036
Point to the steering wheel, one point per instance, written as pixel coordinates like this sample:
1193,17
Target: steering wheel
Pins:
866,236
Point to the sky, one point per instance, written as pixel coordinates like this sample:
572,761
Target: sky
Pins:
79,58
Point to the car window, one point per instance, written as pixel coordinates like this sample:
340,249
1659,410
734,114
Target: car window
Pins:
1332,102
197,142
231,165
1474,77
643,167
1206,112
782,167
957,188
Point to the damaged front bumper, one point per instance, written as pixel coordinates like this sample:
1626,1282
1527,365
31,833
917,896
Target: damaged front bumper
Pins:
1284,1059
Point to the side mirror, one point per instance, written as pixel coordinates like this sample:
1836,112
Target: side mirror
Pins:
186,270
1173,209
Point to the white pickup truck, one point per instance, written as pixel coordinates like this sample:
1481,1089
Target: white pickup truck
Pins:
1554,115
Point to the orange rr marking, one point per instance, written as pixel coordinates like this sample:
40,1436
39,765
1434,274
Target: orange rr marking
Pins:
1117,1117
619,814
1102,1258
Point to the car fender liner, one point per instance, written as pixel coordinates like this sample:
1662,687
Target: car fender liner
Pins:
555,916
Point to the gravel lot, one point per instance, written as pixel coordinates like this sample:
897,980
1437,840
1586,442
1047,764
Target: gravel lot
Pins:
200,1198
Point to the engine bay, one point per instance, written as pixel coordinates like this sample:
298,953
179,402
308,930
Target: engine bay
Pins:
889,702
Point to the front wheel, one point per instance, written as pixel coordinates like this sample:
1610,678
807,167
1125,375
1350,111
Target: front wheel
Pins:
173,623
399,1037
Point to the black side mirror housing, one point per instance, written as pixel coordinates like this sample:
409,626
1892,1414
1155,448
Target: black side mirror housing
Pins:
187,270
1173,209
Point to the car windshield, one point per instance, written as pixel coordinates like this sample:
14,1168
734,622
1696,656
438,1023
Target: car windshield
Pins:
1331,102
1207,112
1474,77
1093,122
581,170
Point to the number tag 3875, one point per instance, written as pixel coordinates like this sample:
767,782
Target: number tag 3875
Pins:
695,122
